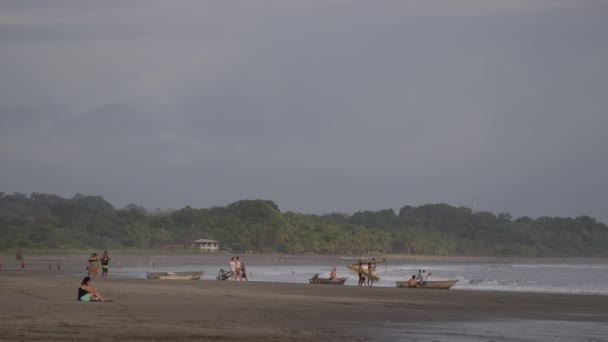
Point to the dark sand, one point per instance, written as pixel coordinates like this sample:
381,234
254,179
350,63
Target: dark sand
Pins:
37,304
38,307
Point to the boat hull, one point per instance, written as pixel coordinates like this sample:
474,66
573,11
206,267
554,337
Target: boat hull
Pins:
175,275
327,281
437,284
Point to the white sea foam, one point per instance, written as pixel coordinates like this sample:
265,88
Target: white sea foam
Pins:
539,277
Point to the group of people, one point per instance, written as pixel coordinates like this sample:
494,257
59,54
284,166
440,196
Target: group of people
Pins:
237,269
93,265
366,273
420,279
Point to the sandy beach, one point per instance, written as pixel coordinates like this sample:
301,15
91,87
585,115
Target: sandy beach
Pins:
35,306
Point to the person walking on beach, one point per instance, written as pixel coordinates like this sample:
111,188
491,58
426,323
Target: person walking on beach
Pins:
232,269
105,265
238,269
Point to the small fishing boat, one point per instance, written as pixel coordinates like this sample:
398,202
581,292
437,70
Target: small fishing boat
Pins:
175,275
430,284
316,280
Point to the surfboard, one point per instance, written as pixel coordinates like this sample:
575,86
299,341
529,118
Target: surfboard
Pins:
355,270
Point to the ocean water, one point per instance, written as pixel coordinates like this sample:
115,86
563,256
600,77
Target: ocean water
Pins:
573,277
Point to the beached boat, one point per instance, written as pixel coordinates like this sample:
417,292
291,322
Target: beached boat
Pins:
431,284
175,275
316,280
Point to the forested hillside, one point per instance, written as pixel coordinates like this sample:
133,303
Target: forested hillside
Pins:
50,221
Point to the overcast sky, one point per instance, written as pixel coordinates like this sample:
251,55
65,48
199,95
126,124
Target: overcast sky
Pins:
319,105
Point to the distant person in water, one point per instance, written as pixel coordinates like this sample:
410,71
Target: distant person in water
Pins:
105,265
412,282
87,293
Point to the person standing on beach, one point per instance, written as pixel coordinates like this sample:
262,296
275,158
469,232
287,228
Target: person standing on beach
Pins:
412,282
86,292
238,269
232,269
243,272
333,275
419,279
105,265
93,265
361,274
370,274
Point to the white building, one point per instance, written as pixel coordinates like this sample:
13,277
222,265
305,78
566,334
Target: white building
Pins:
207,245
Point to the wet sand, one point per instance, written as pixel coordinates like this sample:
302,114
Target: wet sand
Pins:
38,306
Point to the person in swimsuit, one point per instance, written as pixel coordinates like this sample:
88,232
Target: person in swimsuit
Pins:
105,265
412,282
87,293
93,265
333,275
243,272
361,274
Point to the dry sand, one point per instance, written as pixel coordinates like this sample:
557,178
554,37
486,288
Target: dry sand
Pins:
35,306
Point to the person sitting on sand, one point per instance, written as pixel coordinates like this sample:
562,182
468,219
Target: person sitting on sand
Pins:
412,282
87,293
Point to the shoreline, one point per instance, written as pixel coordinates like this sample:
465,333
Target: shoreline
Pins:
38,307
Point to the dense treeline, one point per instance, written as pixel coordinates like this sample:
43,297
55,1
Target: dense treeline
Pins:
50,221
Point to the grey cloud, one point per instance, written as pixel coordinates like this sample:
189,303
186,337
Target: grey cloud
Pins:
319,106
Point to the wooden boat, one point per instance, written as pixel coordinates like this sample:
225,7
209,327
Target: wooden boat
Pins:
431,284
316,280
175,275
354,268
